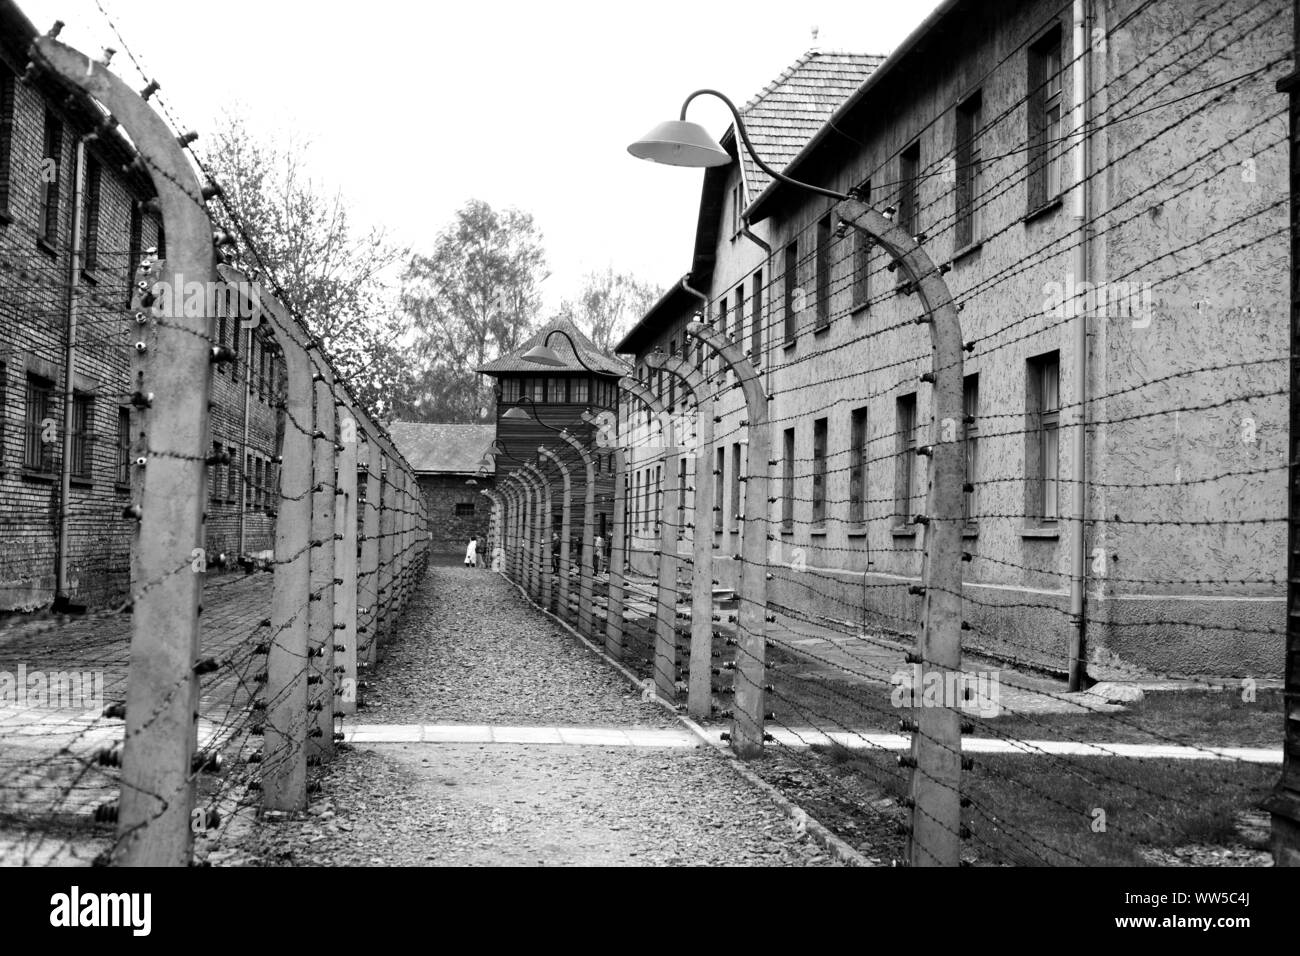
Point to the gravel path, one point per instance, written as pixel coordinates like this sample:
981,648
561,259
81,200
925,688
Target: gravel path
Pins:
500,805
473,651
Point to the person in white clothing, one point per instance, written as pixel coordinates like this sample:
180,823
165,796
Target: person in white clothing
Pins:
471,554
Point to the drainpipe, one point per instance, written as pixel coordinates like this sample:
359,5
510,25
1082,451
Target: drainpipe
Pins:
69,370
1079,472
243,449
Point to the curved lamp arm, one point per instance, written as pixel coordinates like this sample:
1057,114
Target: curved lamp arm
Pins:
744,136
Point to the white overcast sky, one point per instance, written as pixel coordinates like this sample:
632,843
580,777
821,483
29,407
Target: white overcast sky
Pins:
413,108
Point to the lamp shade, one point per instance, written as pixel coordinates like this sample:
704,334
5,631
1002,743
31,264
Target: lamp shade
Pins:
543,355
517,414
680,143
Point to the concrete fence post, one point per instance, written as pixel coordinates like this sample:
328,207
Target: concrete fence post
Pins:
387,532
586,558
507,489
563,608
345,566
284,754
527,543
157,790
751,620
320,607
699,695
936,761
546,576
368,572
617,559
665,611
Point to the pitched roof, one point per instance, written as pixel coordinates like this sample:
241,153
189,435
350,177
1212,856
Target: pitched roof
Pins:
788,111
851,106
592,356
442,449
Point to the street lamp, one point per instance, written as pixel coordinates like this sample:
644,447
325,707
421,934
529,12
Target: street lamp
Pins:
682,143
545,355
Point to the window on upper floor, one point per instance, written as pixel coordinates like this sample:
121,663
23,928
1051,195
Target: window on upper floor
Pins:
756,318
51,173
90,217
967,156
793,294
7,84
909,189
861,284
1045,116
823,272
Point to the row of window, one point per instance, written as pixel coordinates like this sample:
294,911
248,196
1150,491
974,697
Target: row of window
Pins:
263,370
225,477
559,390
43,431
743,305
1043,408
50,193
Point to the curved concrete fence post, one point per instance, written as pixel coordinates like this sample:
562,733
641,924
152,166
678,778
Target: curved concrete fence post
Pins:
665,610
936,745
747,724
563,608
587,555
699,694
157,792
542,530
614,633
320,600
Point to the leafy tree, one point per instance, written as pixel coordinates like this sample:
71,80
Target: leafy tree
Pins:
608,305
471,299
300,242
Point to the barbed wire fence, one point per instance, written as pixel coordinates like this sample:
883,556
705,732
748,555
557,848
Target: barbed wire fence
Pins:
845,604
237,537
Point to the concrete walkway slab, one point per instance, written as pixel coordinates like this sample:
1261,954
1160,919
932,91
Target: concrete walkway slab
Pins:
542,736
868,740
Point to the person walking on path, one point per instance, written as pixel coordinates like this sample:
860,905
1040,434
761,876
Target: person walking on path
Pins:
555,552
471,553
596,553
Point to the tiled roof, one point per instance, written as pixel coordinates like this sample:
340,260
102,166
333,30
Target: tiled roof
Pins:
442,449
852,109
789,110
594,357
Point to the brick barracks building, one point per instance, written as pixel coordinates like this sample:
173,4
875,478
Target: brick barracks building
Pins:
64,356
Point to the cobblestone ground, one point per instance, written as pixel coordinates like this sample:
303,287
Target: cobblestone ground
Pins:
473,652
50,781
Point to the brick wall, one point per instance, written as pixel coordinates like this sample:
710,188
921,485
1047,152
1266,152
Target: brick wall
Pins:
34,309
450,529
